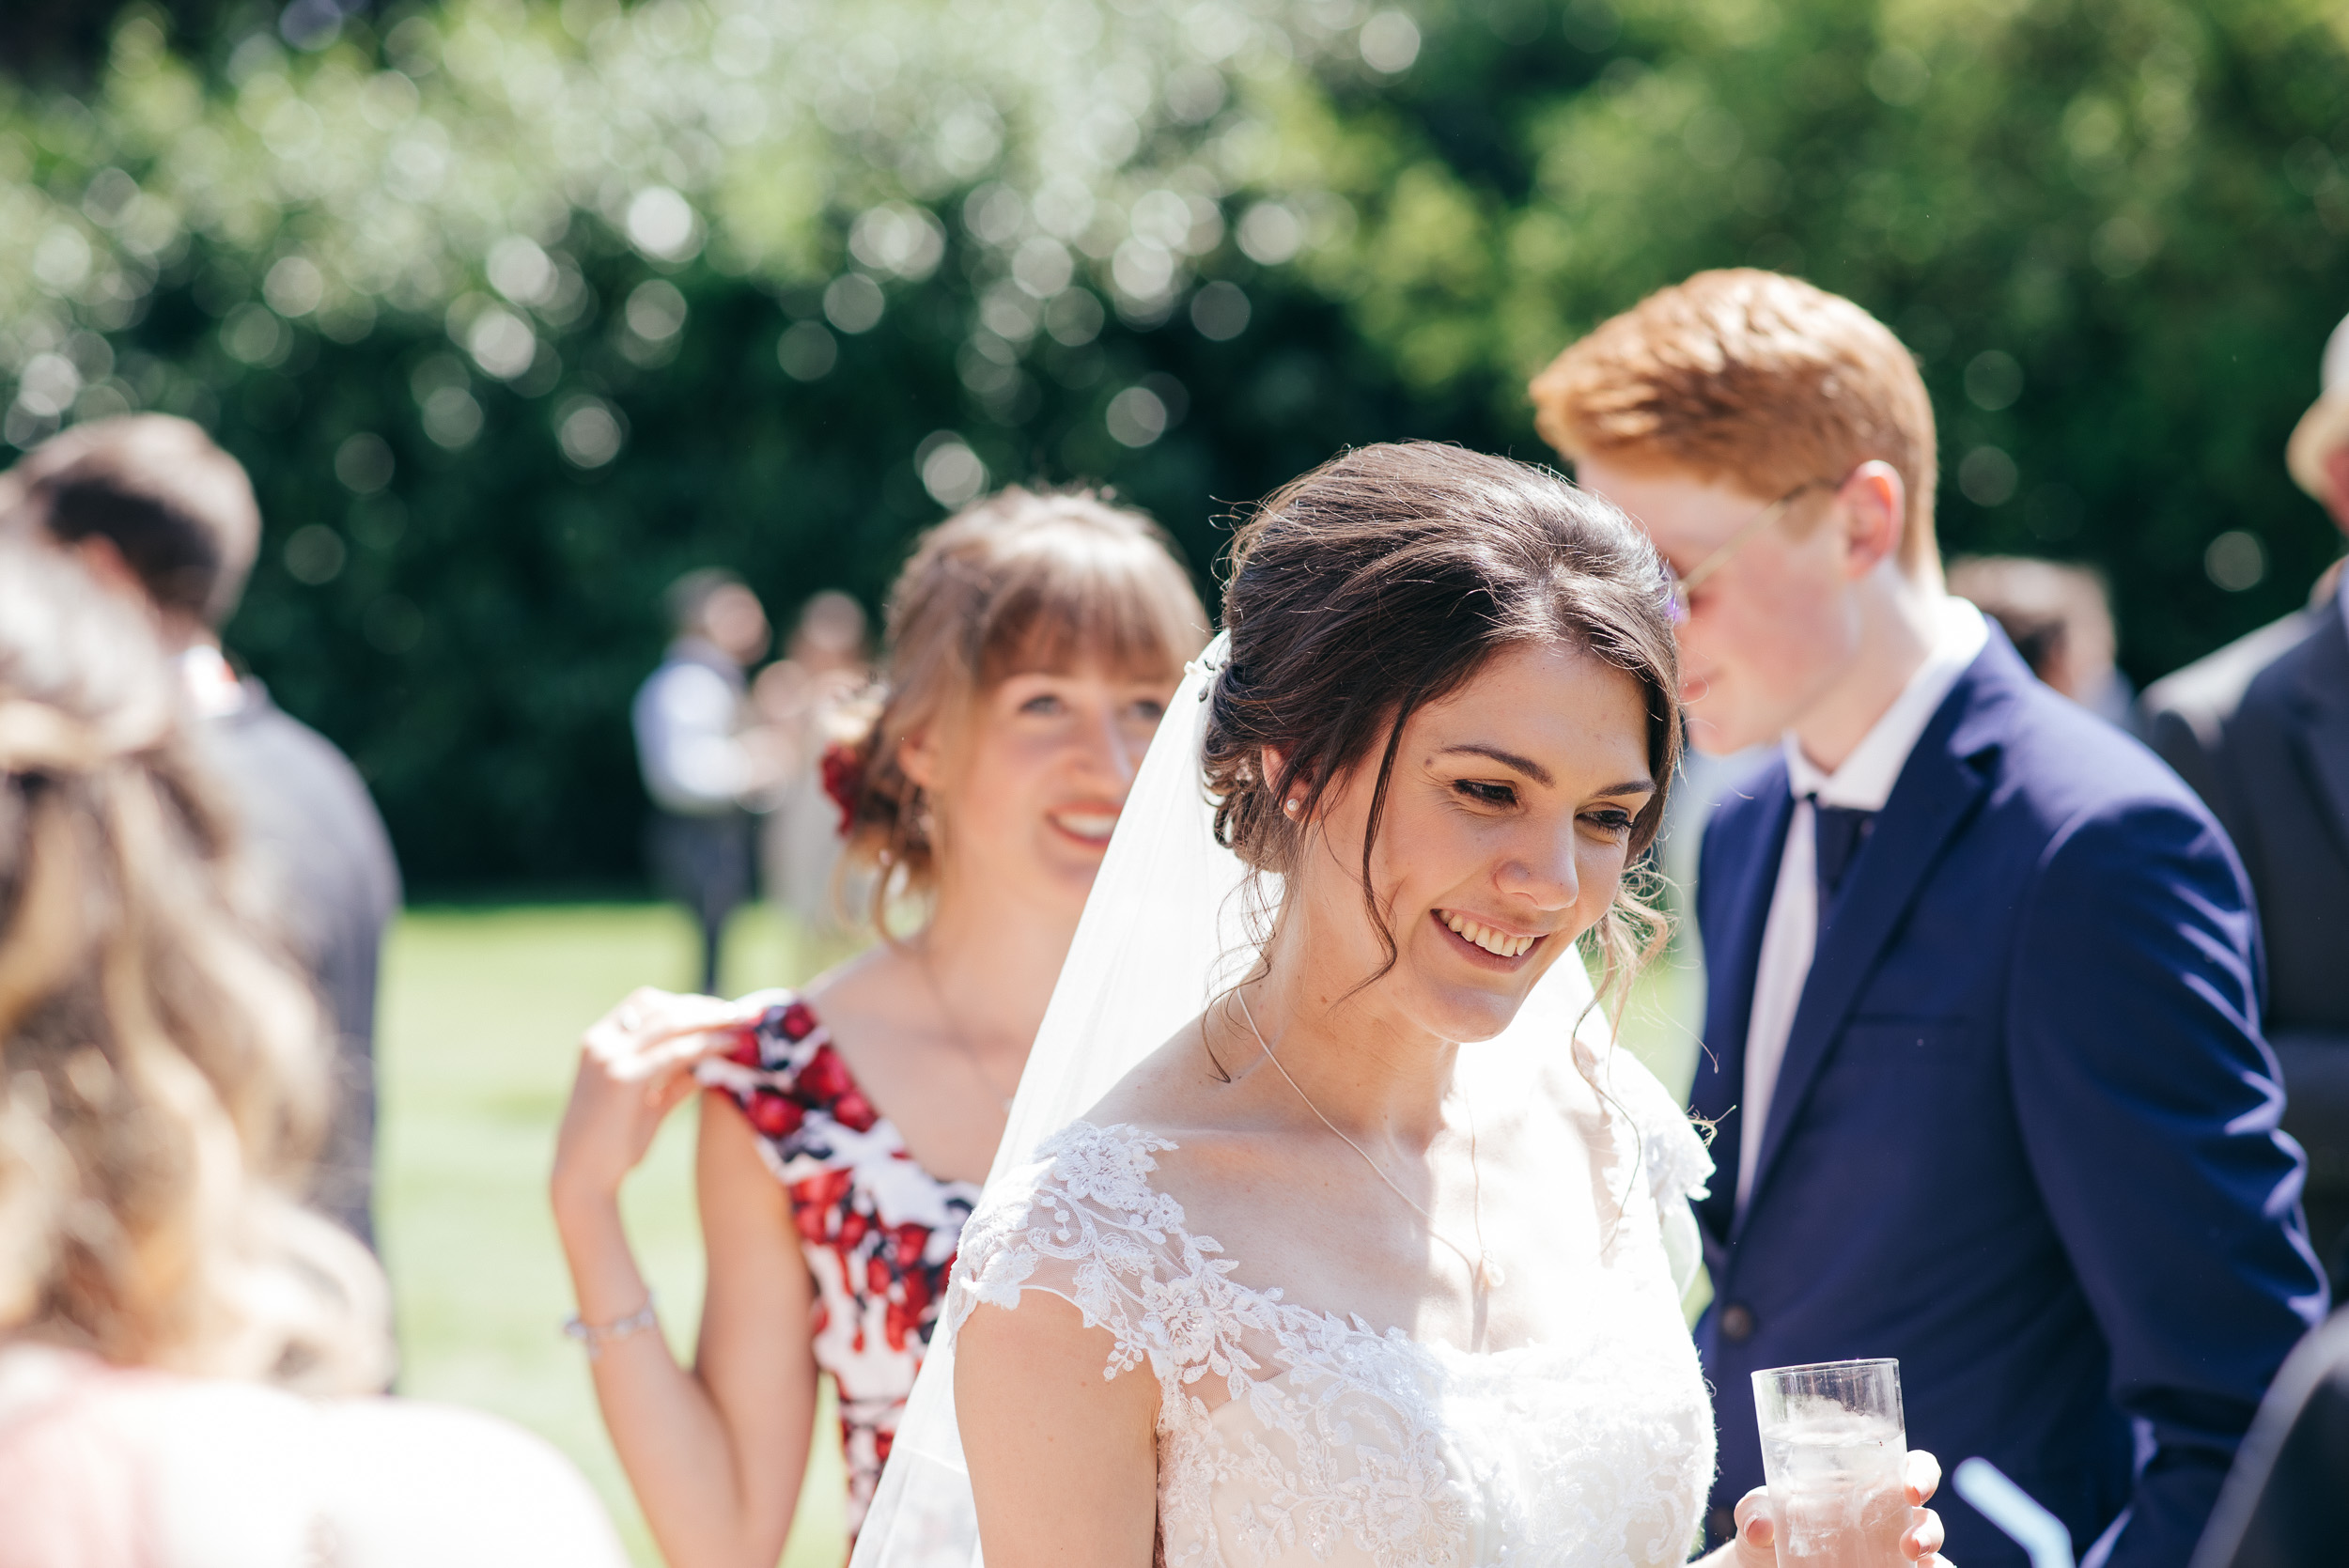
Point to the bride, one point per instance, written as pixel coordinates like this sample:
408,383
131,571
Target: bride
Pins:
1320,1278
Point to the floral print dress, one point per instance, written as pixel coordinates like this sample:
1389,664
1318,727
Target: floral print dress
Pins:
880,1233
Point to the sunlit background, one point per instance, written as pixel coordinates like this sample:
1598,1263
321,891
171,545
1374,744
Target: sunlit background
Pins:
518,310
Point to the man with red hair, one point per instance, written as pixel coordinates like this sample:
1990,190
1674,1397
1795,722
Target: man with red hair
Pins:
1982,1036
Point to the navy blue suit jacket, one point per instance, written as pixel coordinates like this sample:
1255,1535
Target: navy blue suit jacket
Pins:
2024,1137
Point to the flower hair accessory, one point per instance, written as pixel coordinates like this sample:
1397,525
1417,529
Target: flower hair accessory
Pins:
842,768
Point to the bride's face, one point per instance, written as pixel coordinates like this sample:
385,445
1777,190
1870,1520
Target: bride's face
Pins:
1507,825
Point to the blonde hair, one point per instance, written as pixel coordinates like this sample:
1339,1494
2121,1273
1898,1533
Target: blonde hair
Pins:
163,1070
1747,376
1020,580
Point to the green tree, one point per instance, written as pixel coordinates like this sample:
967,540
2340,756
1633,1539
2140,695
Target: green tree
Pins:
517,311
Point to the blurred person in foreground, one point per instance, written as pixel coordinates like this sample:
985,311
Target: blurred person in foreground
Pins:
1981,1034
158,513
179,1338
2059,619
1034,643
2261,728
2281,1504
803,699
705,763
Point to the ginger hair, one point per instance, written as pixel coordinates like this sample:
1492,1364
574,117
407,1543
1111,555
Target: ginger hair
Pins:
1751,378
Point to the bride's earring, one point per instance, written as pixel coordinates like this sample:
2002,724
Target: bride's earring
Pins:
1292,806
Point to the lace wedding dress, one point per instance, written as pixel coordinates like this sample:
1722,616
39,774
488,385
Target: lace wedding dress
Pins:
1291,1437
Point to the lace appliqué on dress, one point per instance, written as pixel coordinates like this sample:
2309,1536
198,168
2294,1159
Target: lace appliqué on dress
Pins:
1287,1436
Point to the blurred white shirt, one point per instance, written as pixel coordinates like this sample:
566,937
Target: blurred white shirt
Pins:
688,717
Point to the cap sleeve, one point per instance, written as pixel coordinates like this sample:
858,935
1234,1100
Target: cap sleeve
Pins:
1084,1223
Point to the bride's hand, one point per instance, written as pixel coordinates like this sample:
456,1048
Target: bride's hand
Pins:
635,1066
1921,1543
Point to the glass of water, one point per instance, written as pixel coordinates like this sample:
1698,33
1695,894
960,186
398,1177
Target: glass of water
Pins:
1834,1449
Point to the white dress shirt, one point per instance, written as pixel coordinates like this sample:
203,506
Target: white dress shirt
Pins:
687,718
1863,783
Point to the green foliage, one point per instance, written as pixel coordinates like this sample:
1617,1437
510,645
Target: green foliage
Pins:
598,284
2114,232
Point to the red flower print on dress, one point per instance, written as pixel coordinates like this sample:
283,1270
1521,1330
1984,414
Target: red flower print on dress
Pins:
867,1234
773,1115
825,1077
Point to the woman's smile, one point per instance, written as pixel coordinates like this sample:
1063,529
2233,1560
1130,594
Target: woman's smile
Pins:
1486,941
1090,824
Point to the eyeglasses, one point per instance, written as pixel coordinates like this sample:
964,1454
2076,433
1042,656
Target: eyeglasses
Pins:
1686,584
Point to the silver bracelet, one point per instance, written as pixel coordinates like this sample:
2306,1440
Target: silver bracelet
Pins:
595,1336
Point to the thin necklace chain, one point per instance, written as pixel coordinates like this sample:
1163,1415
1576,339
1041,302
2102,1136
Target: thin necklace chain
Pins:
1484,1273
953,1031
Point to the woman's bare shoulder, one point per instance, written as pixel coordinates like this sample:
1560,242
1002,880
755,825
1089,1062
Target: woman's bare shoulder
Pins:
868,982
1173,1092
873,1001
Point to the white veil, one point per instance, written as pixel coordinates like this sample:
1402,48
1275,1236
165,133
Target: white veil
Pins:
1162,933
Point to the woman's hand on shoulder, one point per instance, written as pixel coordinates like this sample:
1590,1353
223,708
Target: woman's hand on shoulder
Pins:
1756,1546
635,1066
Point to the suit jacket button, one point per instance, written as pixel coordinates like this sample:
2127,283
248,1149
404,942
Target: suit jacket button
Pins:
1736,1322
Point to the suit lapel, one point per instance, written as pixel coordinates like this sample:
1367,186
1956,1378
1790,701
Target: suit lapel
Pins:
2323,705
1938,791
1738,883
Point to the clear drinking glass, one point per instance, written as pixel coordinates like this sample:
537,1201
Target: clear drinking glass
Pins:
1833,1450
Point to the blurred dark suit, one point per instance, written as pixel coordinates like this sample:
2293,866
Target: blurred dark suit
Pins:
318,838
2282,1508
2261,729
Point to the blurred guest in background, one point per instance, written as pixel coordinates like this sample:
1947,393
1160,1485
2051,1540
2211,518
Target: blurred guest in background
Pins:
1034,642
154,510
179,1338
704,764
1982,1036
800,698
2059,619
2261,729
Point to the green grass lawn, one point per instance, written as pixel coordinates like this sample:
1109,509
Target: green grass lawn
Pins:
481,1015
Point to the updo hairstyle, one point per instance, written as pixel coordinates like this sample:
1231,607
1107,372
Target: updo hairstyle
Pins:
1384,581
1018,581
163,1070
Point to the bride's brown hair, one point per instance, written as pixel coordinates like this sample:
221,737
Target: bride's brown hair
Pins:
1384,581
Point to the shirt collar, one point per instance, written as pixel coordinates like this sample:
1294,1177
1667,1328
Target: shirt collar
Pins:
212,687
1865,780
